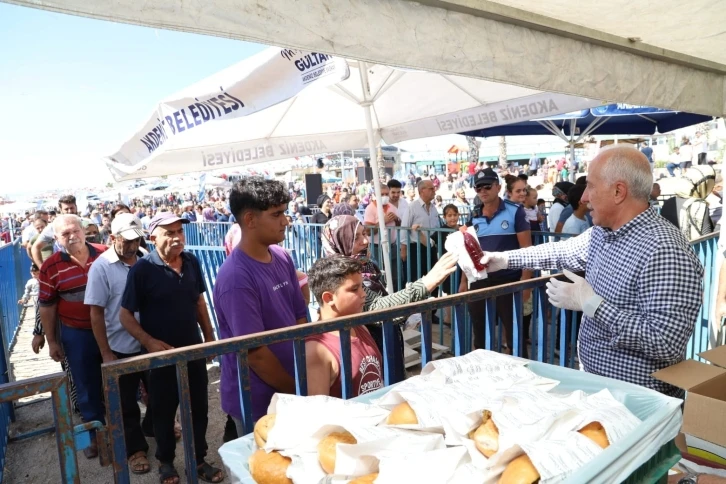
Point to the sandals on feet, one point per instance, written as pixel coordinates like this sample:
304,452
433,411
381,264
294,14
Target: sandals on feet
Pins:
139,463
167,474
209,473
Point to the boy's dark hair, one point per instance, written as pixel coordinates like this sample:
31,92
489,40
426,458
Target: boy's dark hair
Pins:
575,194
329,273
118,208
256,193
581,180
67,200
523,176
394,184
448,207
540,201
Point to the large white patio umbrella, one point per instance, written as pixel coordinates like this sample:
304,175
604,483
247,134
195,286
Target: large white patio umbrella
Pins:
374,102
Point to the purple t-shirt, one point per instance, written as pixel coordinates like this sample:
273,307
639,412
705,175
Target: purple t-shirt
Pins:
250,297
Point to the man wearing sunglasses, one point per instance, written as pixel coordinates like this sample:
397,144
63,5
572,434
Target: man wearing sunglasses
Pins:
500,225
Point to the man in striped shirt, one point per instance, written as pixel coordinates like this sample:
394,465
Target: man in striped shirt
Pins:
63,279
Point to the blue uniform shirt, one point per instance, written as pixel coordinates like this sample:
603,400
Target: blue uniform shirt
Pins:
499,233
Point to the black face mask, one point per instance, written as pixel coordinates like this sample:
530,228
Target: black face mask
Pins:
94,239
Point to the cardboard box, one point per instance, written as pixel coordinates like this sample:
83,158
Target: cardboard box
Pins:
704,416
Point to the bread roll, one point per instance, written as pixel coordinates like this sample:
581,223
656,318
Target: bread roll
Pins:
402,414
269,468
595,432
520,471
486,436
326,449
262,427
368,479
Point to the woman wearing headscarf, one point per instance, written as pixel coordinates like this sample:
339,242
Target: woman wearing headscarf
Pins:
688,210
345,235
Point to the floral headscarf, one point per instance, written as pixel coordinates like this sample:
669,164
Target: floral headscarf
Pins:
338,238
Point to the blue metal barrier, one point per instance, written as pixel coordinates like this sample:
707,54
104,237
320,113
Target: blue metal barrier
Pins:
542,346
707,251
69,439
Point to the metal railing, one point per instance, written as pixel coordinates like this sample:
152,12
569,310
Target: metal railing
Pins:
544,342
69,439
553,340
14,272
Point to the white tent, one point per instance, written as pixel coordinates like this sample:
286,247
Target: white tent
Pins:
669,56
374,102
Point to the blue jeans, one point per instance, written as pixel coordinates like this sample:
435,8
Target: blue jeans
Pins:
671,167
84,358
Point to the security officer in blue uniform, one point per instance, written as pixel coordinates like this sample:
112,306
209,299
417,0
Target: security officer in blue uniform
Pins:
500,225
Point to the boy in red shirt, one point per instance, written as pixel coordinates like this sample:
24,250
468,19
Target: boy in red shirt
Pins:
337,284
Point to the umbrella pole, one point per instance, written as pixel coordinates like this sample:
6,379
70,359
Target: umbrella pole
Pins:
385,246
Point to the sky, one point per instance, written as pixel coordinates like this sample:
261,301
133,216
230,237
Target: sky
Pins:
73,89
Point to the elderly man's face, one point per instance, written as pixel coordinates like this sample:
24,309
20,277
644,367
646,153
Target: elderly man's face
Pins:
126,249
427,191
169,239
70,236
599,195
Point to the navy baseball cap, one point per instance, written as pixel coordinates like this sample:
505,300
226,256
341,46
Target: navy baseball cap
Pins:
486,176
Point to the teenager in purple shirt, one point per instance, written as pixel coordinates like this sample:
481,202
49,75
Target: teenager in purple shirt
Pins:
257,290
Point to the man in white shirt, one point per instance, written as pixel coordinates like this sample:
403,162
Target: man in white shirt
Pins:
419,250
395,191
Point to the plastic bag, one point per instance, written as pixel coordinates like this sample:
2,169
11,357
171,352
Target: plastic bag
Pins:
466,245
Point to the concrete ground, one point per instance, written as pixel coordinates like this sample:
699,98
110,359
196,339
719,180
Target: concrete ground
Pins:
35,460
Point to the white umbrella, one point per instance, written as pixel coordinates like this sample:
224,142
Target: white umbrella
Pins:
374,102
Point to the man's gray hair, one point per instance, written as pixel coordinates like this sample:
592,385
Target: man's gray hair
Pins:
422,182
64,219
627,164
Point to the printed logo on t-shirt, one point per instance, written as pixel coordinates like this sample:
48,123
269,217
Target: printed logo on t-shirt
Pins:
370,370
281,285
505,225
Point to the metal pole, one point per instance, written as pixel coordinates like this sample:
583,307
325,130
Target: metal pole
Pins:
376,178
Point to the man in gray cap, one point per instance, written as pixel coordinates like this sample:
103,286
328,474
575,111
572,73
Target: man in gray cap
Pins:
105,287
559,192
167,289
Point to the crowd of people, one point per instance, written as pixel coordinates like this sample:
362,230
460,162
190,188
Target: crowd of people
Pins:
119,283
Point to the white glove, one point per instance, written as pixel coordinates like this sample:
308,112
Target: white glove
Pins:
576,296
495,261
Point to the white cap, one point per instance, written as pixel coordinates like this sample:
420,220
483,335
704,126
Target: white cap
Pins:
127,225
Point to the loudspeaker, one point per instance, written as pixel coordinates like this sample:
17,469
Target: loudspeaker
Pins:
367,162
313,187
365,174
320,163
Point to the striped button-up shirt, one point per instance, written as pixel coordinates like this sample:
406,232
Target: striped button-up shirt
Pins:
63,282
651,282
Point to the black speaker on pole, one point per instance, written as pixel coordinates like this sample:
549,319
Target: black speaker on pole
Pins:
367,162
313,187
365,174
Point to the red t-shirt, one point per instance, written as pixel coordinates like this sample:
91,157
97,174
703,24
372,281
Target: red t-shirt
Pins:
365,358
62,281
